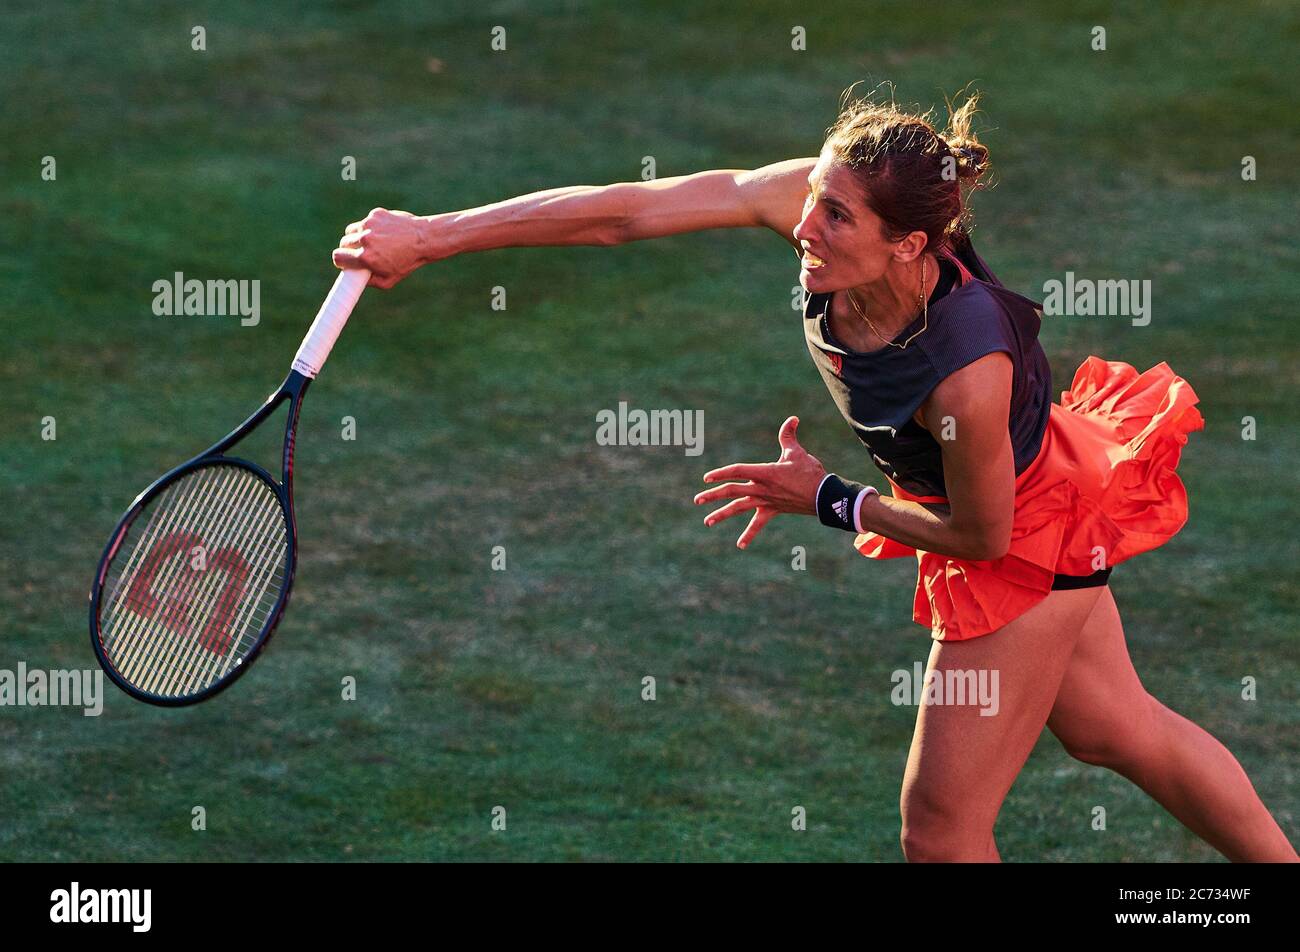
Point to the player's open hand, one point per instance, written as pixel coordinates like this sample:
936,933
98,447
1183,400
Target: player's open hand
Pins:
788,485
390,244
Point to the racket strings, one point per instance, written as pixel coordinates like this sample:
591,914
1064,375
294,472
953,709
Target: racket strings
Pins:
163,671
190,651
159,588
182,652
179,661
192,589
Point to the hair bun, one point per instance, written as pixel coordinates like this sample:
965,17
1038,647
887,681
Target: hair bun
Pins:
972,158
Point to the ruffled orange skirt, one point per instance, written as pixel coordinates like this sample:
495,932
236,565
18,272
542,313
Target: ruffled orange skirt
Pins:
1101,490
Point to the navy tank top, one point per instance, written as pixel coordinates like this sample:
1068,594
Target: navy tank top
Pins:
878,392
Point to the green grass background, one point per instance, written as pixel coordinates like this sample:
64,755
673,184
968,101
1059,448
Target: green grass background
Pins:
476,427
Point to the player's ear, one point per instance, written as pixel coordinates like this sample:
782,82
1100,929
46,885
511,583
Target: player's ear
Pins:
910,248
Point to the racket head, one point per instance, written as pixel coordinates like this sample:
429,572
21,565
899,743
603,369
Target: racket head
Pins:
193,581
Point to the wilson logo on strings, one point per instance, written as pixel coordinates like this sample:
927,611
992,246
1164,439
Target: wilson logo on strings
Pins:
184,556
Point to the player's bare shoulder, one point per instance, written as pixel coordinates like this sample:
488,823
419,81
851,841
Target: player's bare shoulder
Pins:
775,194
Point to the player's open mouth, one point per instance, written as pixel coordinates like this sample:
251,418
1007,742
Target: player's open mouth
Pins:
811,261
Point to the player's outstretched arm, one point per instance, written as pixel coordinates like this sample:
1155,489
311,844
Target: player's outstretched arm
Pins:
392,244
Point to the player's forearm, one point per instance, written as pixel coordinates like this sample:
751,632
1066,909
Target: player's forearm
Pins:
922,527
604,214
573,215
390,243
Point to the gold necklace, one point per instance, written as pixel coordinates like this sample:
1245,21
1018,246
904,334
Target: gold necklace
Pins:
925,310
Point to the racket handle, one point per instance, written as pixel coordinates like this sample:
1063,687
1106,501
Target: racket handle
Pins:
331,317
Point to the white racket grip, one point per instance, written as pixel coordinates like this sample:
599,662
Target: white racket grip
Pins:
331,317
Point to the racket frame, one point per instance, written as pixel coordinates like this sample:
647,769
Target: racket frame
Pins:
294,387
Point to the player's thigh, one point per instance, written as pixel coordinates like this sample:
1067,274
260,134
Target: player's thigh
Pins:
964,757
1101,708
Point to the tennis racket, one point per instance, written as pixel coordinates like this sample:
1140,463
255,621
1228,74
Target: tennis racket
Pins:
197,573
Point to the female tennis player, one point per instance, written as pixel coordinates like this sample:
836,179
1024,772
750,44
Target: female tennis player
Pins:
1016,508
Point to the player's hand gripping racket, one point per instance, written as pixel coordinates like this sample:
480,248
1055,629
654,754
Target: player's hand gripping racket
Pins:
198,571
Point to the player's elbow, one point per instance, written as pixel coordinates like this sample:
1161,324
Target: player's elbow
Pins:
607,236
993,553
983,543
989,547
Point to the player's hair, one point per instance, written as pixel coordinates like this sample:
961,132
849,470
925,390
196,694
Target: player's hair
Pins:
912,175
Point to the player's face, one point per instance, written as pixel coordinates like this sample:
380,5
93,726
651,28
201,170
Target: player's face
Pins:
843,241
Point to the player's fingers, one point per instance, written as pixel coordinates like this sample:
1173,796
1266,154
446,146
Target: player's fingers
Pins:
738,471
348,258
743,504
729,491
354,239
761,518
355,226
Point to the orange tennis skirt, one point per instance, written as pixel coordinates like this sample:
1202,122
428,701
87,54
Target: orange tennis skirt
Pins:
1101,490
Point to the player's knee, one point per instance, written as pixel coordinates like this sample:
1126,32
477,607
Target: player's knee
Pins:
937,830
1122,741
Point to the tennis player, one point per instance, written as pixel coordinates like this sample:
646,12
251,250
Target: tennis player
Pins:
1016,508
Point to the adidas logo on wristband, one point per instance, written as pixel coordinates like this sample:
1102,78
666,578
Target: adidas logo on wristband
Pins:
841,507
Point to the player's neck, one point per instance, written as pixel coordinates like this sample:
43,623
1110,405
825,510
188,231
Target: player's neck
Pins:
897,298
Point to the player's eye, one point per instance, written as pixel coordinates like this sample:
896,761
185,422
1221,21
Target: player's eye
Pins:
834,213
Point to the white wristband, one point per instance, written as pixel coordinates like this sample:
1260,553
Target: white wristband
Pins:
857,506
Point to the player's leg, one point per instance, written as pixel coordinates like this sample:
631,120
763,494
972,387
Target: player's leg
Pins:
962,762
1104,716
